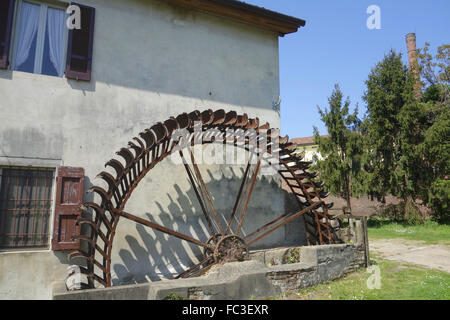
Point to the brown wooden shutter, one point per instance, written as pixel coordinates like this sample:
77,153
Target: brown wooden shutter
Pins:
69,197
6,19
80,46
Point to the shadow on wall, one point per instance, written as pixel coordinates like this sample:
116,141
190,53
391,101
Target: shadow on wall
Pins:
85,230
6,74
155,256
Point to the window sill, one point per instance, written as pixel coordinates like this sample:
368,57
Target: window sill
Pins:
32,74
24,250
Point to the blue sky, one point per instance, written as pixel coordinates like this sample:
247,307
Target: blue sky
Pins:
336,46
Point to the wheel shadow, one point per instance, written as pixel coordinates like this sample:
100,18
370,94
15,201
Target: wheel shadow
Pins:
149,255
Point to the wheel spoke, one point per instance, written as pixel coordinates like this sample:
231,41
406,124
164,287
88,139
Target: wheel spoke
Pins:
161,228
193,268
255,175
200,200
286,219
238,198
205,191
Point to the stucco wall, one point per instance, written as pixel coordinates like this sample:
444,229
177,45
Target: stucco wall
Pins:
151,61
31,274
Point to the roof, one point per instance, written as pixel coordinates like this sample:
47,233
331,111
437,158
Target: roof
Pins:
244,12
306,141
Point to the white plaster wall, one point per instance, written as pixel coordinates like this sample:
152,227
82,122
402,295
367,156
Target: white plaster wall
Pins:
30,275
151,61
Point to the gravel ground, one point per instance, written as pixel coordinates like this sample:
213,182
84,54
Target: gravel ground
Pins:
416,252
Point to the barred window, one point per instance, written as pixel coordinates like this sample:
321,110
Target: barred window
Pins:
25,207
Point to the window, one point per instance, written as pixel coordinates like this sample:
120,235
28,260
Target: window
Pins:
6,18
42,43
25,207
40,39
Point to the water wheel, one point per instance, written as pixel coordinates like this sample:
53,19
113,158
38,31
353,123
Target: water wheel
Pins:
226,242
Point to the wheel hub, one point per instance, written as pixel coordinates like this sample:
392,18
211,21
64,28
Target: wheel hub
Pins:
230,248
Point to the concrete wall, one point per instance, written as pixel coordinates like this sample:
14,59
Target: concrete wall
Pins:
30,275
151,61
243,280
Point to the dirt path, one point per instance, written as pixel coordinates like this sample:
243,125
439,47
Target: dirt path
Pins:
433,256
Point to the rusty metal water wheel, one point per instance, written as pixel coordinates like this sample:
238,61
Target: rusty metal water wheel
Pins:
225,244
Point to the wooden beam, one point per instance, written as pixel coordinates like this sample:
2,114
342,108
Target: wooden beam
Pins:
247,13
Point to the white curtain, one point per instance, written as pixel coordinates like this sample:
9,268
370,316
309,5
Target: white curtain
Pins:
55,30
29,19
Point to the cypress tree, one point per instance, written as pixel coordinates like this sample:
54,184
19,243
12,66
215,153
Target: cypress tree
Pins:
341,151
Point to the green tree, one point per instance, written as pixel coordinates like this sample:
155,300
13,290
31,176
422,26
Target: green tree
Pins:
436,145
341,151
435,151
435,148
390,130
435,71
406,137
439,199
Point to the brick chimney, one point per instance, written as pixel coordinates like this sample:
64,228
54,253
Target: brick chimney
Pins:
413,62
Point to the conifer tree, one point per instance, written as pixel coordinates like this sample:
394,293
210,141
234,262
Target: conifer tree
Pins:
341,151
391,130
434,185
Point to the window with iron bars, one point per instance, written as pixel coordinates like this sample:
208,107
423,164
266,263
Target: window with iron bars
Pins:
25,207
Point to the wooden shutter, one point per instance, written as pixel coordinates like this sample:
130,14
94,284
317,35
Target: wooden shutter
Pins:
6,19
80,45
69,197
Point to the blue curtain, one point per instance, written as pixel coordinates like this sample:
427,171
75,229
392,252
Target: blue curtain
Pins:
28,26
55,31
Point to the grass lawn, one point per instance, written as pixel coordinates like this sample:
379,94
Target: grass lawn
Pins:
398,281
430,232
